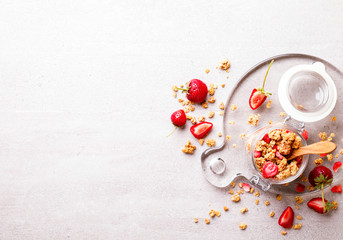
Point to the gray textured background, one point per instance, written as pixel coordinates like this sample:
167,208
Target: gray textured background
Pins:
85,89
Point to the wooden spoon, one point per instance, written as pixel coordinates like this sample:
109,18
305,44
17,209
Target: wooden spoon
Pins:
315,148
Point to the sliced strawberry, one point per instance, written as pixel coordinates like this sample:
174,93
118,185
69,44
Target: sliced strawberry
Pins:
278,155
246,187
269,170
200,130
317,205
287,217
266,138
256,99
300,188
336,166
275,147
323,155
336,189
305,134
257,154
299,161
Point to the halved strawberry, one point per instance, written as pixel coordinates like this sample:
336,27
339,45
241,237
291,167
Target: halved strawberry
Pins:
305,134
259,95
269,170
200,130
257,154
317,205
266,138
336,189
336,166
246,187
300,188
287,217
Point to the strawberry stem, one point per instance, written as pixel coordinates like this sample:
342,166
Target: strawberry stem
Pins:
182,89
265,77
172,132
322,186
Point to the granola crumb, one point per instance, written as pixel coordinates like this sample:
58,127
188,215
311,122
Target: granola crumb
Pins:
253,119
282,114
242,226
204,105
221,113
207,221
322,135
270,122
286,184
278,197
271,214
299,217
283,232
201,141
233,184
211,91
210,114
244,210
304,179
334,205
211,100
267,203
310,188
318,161
269,104
333,119
193,120
174,95
240,185
221,106
224,64
234,145
226,208
257,194
233,123
298,199
236,198
214,86
220,134
252,190
257,201
242,135
297,207
297,226
341,151
174,88
330,157
189,148
196,220
217,213
223,85
231,192
233,107
337,155
201,119
207,70
211,142
212,213
227,137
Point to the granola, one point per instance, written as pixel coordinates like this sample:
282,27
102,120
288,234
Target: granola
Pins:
189,148
224,64
211,142
253,119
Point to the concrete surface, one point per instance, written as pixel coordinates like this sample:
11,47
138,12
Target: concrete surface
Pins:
85,89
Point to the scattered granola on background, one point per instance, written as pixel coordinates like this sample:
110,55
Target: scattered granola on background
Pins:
211,142
212,85
204,105
233,122
233,184
201,119
270,122
236,198
257,194
174,88
227,137
269,104
220,134
242,226
297,226
211,91
189,148
257,201
211,100
296,207
221,106
207,221
283,232
234,145
278,197
195,220
207,70
267,203
333,119
271,214
223,85
322,136
201,141
334,205
310,188
174,95
318,161
242,135
210,114
244,210
282,114
221,113
298,200
226,208
253,119
224,64
299,217
231,192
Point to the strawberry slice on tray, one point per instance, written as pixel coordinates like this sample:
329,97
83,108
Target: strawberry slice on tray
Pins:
200,130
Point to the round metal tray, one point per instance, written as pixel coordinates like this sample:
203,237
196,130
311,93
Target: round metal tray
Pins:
237,163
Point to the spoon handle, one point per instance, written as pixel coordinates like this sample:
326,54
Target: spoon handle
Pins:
315,148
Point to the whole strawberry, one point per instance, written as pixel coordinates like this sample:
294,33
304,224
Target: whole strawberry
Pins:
196,91
179,119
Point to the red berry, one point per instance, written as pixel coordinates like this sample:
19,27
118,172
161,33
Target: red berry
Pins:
336,166
287,217
197,91
178,118
200,130
323,155
316,172
300,188
246,187
269,170
266,138
317,205
336,189
278,155
257,154
305,134
256,99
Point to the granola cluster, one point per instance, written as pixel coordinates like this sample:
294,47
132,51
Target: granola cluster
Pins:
276,147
